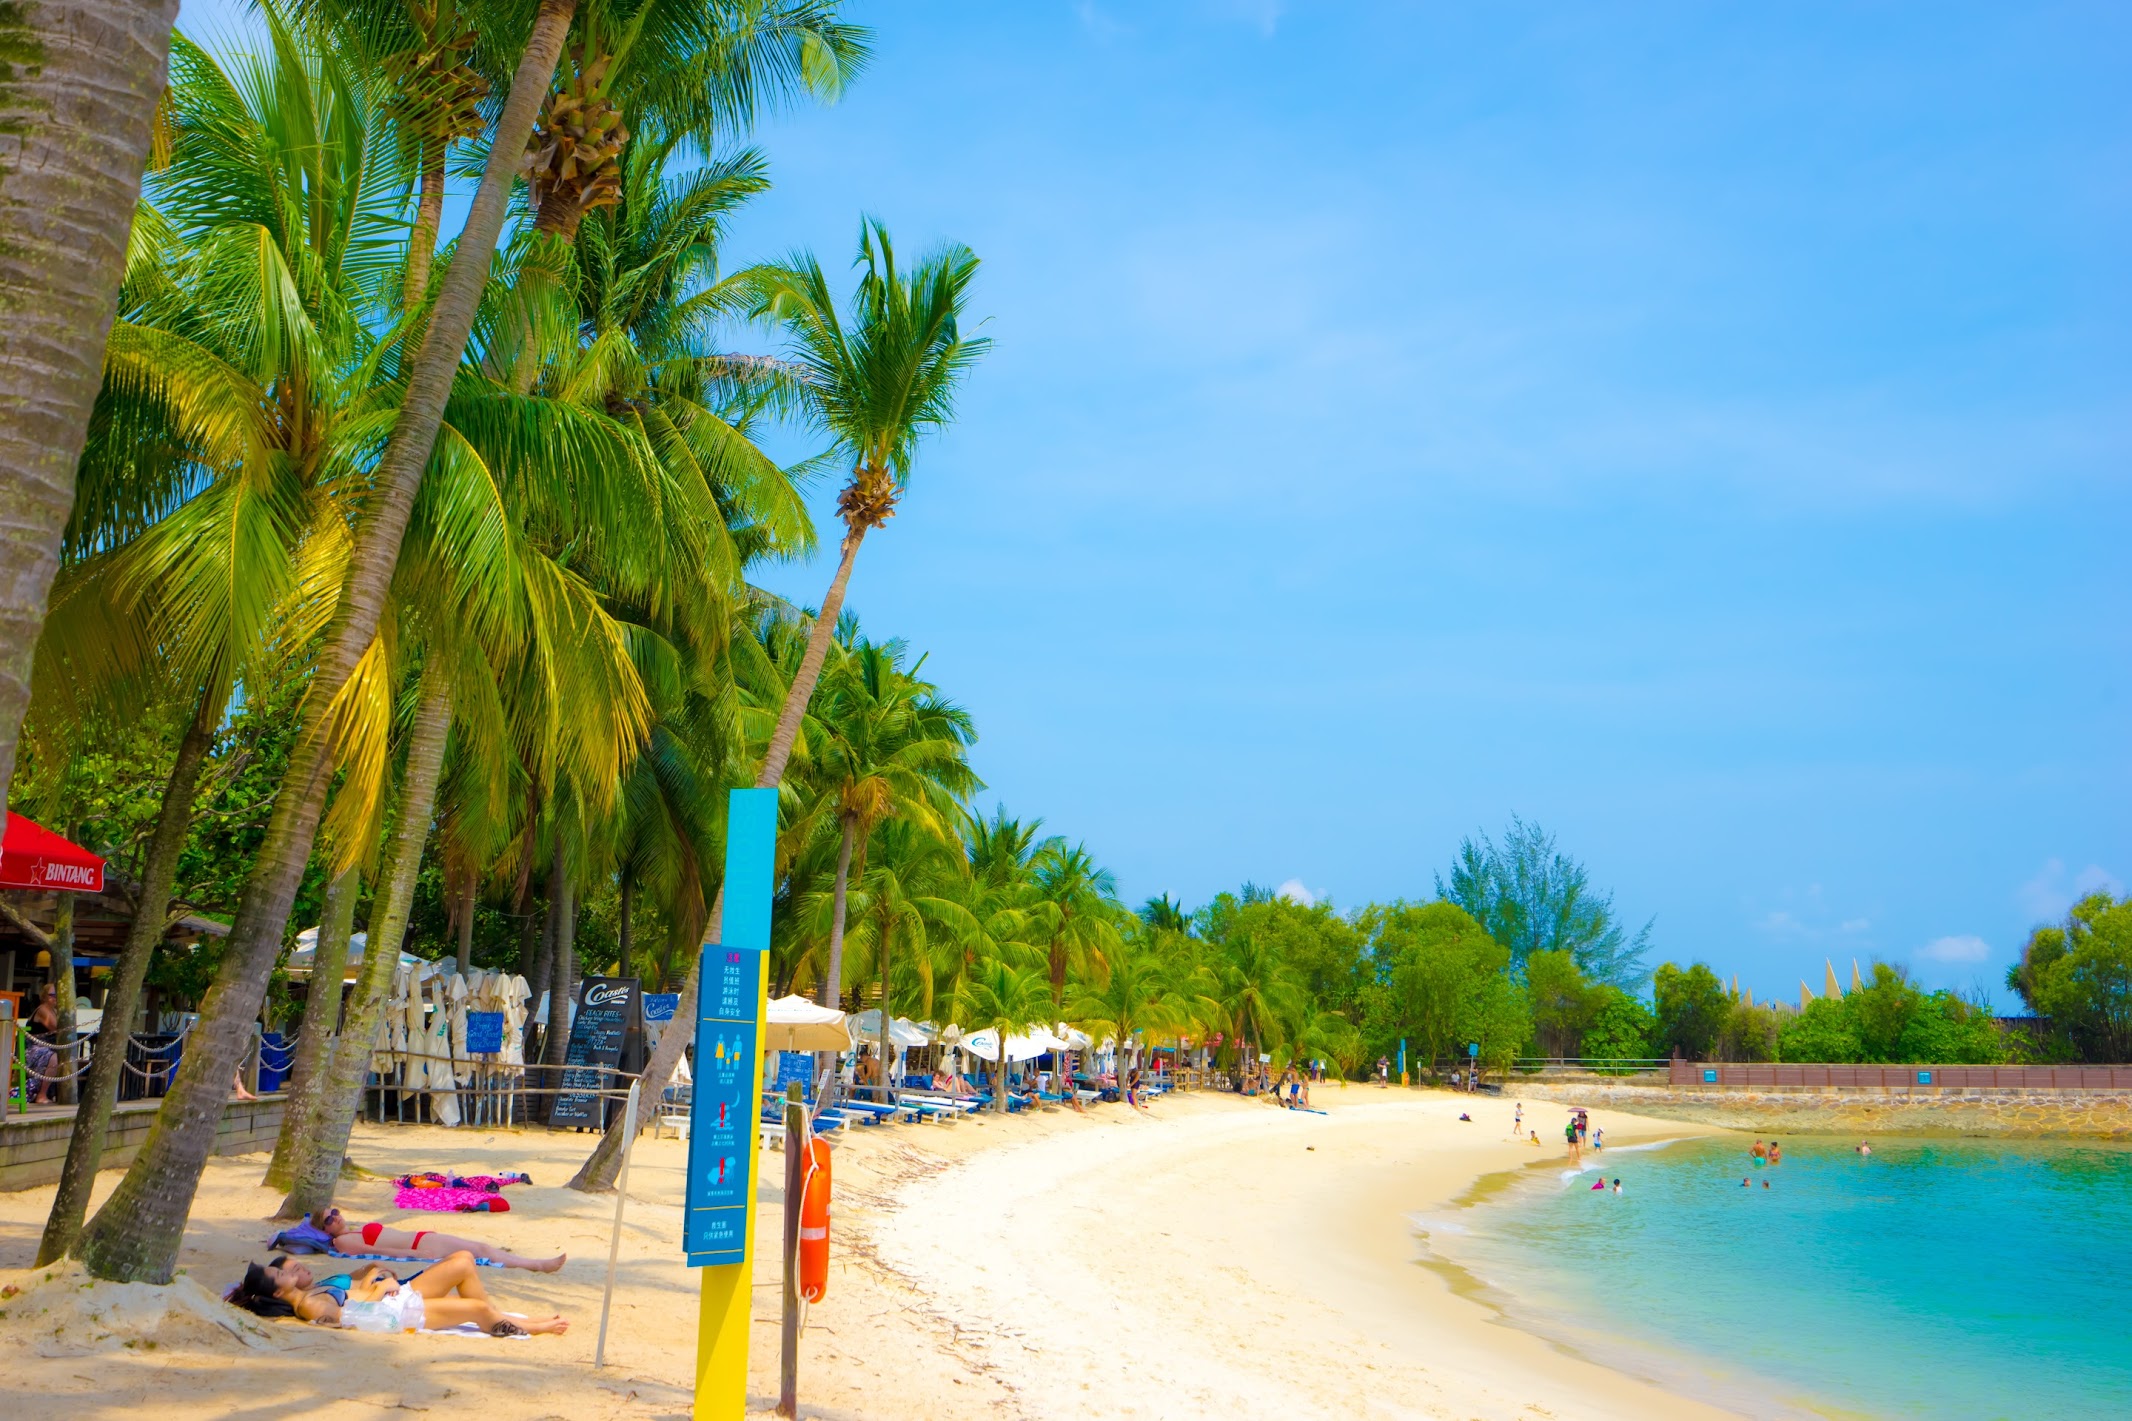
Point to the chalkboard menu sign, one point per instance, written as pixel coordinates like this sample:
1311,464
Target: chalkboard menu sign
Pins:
606,1010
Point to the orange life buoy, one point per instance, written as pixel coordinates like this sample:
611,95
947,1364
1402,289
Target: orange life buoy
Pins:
814,1223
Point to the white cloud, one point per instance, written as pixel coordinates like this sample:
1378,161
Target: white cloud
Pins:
2050,891
1967,948
1263,15
1294,891
1855,925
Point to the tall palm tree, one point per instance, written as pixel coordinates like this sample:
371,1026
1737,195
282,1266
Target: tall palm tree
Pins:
233,396
77,99
890,747
876,383
1078,900
907,901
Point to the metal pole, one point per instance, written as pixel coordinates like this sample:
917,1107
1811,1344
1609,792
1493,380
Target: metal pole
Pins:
788,1365
614,1245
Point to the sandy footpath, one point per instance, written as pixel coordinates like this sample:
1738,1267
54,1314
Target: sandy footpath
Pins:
1217,1258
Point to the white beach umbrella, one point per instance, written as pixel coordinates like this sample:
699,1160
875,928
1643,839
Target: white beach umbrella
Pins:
984,1045
796,1024
902,1031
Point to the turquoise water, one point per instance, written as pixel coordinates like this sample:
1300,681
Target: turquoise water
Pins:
1963,1280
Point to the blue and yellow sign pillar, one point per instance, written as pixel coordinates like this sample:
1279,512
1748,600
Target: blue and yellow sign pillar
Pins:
731,997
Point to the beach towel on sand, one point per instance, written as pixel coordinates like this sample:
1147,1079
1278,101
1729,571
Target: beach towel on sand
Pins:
436,1193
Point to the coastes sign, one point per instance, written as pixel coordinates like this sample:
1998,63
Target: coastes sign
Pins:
33,857
608,992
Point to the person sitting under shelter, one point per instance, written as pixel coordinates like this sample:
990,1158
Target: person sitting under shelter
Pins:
450,1289
331,1232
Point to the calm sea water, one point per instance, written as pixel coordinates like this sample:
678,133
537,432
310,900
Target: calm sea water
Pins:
1961,1280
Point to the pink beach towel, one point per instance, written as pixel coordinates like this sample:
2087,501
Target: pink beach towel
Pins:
447,1201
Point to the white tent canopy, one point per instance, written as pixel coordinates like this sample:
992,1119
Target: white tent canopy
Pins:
902,1031
797,1024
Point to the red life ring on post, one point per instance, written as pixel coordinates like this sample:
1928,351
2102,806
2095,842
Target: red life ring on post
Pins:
814,1223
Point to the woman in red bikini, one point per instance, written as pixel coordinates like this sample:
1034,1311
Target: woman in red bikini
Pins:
420,1243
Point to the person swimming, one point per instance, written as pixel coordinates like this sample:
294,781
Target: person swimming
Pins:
1598,1184
1617,1186
1864,1148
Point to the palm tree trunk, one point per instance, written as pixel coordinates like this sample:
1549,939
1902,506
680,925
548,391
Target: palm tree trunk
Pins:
63,979
78,91
626,934
429,220
557,1045
598,1171
830,992
886,1079
466,922
543,965
135,1237
810,670
85,1147
322,1014
316,1172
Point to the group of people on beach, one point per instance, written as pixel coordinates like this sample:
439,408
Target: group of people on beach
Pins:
446,1292
1290,1089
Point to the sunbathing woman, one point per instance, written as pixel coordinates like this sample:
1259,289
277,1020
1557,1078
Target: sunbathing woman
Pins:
333,1233
450,1290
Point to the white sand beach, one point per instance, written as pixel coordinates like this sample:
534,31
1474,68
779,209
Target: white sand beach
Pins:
1216,1258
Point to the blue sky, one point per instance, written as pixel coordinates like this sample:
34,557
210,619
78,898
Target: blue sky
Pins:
1700,429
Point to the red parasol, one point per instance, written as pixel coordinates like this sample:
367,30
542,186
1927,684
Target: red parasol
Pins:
32,856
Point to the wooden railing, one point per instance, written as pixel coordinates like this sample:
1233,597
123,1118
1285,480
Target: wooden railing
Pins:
1918,1077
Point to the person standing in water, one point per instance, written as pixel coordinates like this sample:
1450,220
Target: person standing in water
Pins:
1576,1151
1776,1153
1760,1154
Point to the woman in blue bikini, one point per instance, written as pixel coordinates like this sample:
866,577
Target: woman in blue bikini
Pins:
450,1290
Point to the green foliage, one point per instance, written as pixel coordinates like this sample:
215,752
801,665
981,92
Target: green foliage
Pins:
1446,983
1690,1007
2079,975
1889,1020
1621,1028
1533,898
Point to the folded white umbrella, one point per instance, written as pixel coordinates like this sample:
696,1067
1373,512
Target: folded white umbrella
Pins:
902,1031
797,1024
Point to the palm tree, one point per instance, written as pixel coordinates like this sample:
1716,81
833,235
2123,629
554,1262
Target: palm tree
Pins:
78,102
1004,999
1134,994
676,71
228,407
890,746
1077,900
907,900
877,385
135,1237
877,382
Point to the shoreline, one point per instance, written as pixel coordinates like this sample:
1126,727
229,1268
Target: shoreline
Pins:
1228,1258
1218,1257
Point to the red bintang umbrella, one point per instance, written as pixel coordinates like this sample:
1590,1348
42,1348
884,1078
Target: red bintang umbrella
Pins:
32,856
